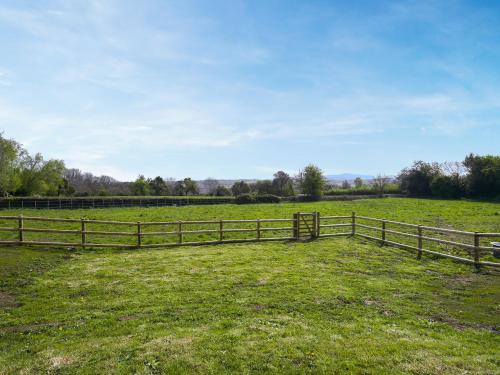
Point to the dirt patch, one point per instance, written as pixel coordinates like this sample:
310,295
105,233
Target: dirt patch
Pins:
125,318
462,326
60,361
259,307
28,328
8,300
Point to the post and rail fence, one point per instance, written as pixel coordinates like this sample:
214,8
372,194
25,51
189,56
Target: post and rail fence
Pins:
302,226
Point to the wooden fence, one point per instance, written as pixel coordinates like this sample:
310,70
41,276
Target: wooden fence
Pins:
86,233
107,202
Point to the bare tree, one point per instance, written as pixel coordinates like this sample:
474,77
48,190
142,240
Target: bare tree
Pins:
380,183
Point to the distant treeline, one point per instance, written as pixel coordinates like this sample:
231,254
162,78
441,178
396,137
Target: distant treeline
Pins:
23,174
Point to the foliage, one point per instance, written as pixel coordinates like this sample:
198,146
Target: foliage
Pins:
158,187
416,180
390,188
346,184
221,191
282,184
140,186
358,182
263,187
311,181
245,199
267,198
38,176
483,179
449,187
9,178
239,188
380,183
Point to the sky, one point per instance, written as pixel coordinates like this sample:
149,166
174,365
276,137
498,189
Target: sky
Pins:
241,89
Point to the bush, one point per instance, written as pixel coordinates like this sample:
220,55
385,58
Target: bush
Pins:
304,198
245,199
263,198
365,190
267,198
450,187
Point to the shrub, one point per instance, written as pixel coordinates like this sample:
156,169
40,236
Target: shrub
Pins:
244,199
267,198
451,187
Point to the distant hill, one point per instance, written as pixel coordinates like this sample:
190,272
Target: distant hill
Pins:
348,177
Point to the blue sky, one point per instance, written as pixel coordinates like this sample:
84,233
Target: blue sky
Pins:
233,89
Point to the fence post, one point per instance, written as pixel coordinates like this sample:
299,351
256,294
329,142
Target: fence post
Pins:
258,229
139,234
476,250
419,256
296,225
179,231
318,226
21,227
353,223
383,233
221,233
84,234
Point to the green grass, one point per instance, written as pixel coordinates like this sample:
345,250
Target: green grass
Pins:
329,306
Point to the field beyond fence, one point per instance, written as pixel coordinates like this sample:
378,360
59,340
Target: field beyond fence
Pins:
463,246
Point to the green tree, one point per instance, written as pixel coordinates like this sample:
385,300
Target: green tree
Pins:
450,187
483,178
157,186
140,186
358,182
9,172
239,188
222,191
191,186
311,181
416,180
38,176
282,184
264,187
346,185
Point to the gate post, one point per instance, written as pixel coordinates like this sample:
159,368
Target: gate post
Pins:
296,225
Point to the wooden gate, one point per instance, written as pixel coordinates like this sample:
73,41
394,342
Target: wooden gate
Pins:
306,225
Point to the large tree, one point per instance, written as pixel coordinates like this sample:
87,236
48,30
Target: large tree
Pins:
483,179
140,186
9,172
311,181
239,188
282,184
38,176
416,180
157,186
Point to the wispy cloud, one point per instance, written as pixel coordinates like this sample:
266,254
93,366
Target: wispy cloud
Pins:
103,84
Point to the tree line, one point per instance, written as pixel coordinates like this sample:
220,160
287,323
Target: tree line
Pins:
475,177
25,174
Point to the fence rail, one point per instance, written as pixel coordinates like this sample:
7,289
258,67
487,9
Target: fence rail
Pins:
84,203
147,234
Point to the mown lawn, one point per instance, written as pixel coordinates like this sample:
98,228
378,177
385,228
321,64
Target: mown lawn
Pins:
330,306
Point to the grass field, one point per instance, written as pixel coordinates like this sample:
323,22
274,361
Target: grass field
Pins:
329,306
